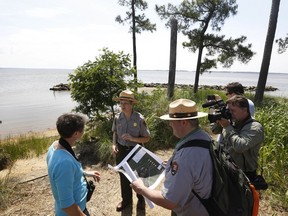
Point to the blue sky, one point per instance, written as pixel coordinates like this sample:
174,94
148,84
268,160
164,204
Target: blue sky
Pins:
68,33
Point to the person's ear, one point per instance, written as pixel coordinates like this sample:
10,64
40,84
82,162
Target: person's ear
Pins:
77,134
184,122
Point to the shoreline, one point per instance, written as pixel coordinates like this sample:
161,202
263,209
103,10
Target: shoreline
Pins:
65,87
216,87
148,87
50,132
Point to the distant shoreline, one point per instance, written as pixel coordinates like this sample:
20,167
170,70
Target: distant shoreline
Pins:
148,87
49,132
28,105
65,87
216,87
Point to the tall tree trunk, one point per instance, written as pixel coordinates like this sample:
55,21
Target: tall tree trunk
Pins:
173,53
267,51
197,72
134,40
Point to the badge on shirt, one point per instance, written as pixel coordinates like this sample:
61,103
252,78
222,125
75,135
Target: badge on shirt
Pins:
174,168
135,124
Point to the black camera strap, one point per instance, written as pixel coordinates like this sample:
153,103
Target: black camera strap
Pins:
68,147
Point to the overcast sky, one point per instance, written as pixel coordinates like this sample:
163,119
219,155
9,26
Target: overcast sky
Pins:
68,33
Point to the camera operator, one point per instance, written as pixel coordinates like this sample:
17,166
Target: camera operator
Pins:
242,136
236,88
233,88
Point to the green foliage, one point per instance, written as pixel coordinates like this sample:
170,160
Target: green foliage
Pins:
25,146
97,140
282,44
12,149
147,102
272,114
152,106
141,22
95,83
96,144
195,20
274,152
137,22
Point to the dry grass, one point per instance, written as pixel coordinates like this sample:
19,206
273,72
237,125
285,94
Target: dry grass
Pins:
35,197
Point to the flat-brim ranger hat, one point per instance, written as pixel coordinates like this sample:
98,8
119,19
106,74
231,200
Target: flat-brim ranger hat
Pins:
183,109
126,95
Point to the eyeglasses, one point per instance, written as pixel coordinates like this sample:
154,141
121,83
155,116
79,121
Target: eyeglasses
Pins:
124,103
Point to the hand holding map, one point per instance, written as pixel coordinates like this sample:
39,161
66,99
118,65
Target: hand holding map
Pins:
142,163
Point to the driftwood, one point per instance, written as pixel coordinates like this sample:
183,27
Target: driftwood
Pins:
60,87
43,176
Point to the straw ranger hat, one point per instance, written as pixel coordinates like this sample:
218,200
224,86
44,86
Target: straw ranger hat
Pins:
126,95
183,109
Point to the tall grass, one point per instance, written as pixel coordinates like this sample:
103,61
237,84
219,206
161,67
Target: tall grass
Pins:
12,149
273,157
25,146
5,192
272,114
97,141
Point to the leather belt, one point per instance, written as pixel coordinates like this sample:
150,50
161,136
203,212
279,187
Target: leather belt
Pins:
127,148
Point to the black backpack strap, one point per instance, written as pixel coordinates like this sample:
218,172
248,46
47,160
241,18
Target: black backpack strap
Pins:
196,143
203,144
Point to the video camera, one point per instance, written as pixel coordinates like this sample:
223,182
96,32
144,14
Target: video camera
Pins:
217,108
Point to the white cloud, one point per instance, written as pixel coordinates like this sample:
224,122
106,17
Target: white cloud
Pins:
68,33
47,12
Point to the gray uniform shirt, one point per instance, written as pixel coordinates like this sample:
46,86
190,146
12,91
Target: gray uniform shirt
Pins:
189,169
135,126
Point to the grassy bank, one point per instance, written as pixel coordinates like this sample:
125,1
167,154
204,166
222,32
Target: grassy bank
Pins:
95,146
15,148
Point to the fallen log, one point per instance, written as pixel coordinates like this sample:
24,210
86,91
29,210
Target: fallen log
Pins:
60,87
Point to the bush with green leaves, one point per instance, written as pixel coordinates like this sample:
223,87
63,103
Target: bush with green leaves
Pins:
151,106
96,144
94,84
272,114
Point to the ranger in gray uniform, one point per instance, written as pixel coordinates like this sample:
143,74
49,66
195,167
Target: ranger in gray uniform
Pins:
129,129
188,169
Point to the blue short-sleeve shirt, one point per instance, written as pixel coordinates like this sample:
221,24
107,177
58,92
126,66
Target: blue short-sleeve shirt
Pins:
66,179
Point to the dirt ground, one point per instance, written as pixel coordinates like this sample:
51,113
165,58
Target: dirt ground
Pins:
35,197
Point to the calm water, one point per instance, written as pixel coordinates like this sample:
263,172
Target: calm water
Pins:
278,80
27,104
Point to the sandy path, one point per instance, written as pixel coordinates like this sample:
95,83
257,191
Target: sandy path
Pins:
35,197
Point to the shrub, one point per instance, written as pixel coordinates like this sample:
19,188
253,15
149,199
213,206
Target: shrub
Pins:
95,83
5,160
